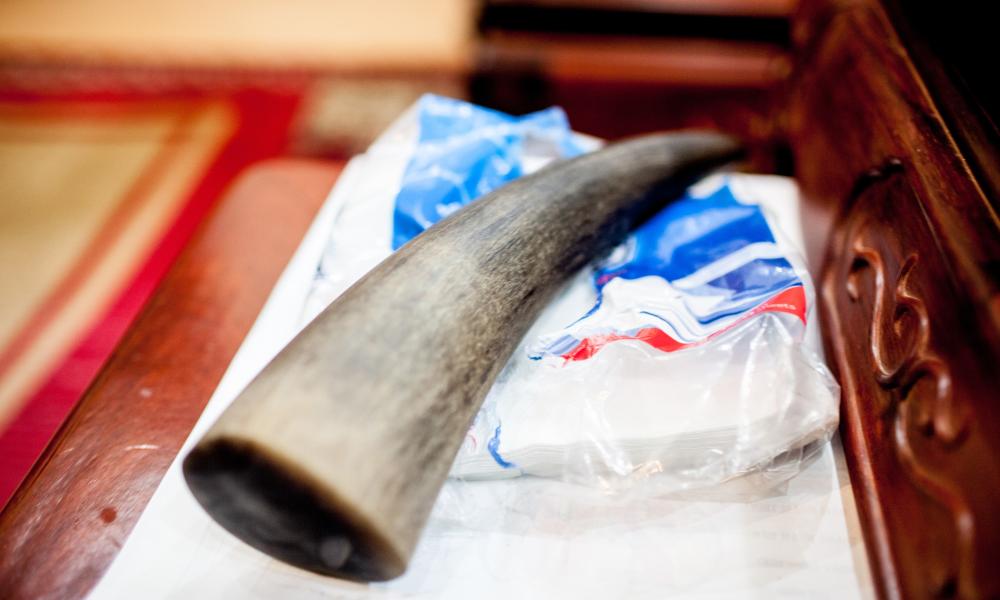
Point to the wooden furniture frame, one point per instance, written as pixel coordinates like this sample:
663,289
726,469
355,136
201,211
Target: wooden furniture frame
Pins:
901,218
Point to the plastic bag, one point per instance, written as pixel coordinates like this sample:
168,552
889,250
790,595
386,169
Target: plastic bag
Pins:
676,362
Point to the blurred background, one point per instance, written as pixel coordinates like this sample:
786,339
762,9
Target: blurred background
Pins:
122,121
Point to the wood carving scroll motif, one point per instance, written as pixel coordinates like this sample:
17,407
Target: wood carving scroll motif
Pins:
879,277
898,341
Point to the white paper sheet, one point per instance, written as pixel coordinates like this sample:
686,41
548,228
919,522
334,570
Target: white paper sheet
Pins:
524,538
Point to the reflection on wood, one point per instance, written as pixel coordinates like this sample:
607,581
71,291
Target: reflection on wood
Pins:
67,521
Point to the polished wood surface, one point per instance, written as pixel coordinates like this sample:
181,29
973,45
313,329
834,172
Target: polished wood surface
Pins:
74,511
624,69
614,86
904,240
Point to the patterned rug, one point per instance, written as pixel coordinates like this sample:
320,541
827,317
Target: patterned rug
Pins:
98,194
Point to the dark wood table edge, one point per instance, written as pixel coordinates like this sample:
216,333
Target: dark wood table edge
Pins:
72,513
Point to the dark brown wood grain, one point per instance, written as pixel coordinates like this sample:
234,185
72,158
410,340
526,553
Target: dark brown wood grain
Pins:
904,240
69,518
619,86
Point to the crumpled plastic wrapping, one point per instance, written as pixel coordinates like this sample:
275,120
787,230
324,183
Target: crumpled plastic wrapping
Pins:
677,362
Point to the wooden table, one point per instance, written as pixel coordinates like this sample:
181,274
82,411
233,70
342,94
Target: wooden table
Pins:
69,518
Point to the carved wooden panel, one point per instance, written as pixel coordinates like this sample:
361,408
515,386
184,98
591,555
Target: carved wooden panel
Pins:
905,242
919,406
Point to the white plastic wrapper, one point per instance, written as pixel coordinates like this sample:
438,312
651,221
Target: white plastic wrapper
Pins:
677,362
